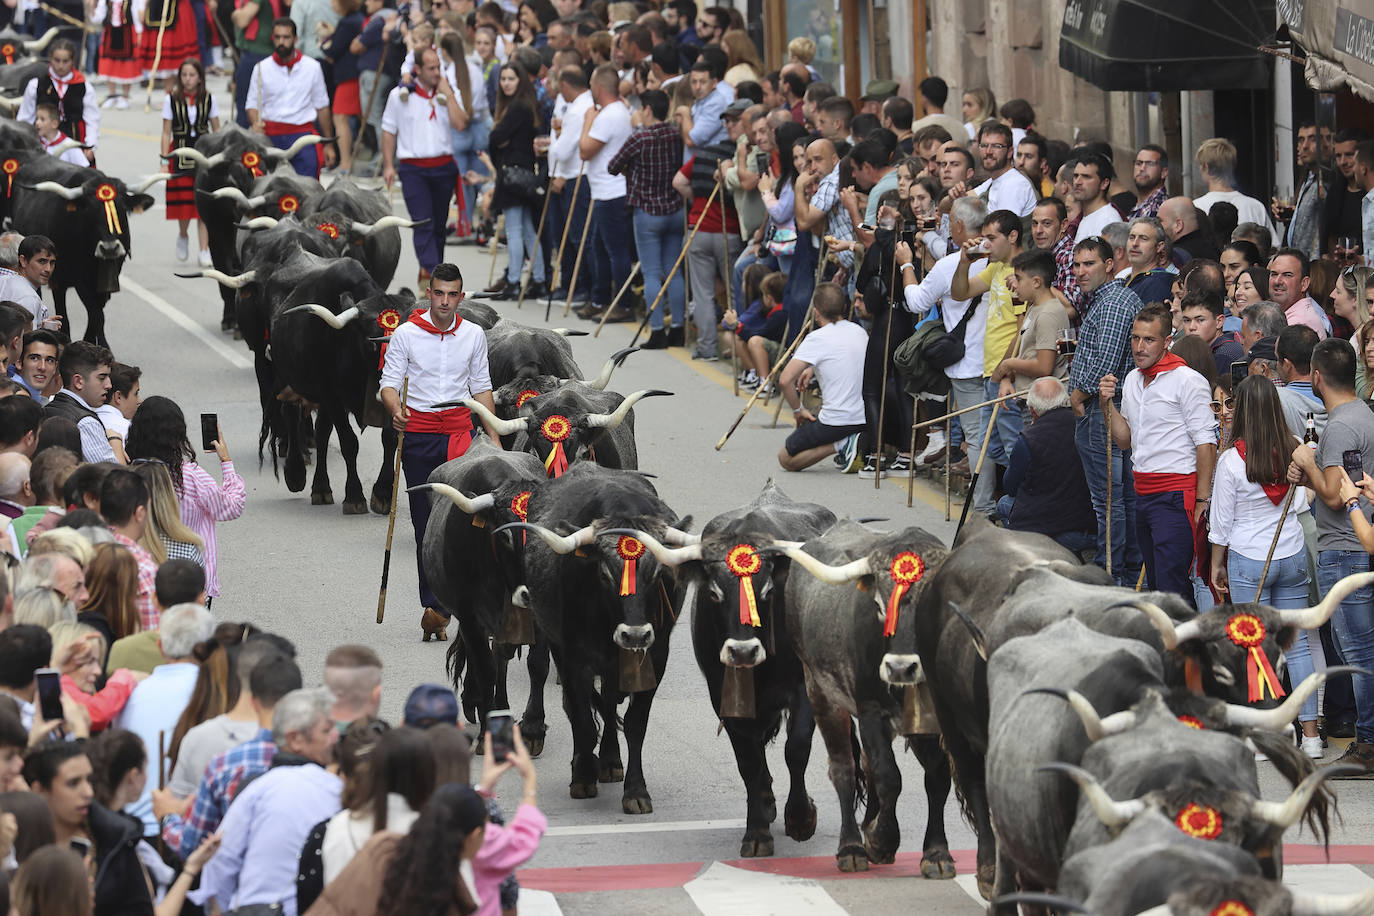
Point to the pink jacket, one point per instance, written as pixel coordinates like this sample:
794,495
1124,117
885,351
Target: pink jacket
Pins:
504,849
105,705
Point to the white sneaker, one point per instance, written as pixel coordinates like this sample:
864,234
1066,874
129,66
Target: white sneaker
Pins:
109,101
182,247
1312,747
122,102
934,447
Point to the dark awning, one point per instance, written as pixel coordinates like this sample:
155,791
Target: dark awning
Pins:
1167,45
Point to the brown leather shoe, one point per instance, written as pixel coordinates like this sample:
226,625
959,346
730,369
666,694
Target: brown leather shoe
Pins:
434,624
498,287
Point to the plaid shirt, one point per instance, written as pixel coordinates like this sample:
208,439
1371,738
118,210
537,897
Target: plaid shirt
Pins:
1064,280
649,160
224,774
1150,205
1104,338
837,220
147,582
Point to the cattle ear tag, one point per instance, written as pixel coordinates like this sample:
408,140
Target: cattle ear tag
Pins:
579,552
71,207
863,583
478,521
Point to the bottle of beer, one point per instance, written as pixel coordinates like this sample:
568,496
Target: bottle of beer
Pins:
1309,437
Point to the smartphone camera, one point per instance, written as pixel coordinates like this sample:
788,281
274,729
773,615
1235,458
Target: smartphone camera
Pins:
1353,462
49,682
761,163
209,431
1239,370
501,727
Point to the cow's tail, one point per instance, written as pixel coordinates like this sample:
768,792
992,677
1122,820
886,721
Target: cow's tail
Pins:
271,410
862,789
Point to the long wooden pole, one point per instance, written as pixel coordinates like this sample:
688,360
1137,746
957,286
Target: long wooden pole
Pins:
982,455
577,262
806,325
538,240
567,224
157,58
948,443
624,288
676,264
1107,417
772,375
371,99
979,406
391,522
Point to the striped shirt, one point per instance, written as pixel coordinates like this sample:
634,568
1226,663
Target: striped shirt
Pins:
204,502
148,613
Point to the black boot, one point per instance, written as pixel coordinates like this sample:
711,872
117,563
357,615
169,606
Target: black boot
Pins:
676,337
658,340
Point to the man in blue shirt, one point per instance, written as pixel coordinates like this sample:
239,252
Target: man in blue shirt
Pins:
702,124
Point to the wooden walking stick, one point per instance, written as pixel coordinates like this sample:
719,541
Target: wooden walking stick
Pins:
1283,518
495,239
982,455
161,759
391,522
558,261
882,396
157,57
538,240
624,288
768,382
577,261
729,293
979,406
806,325
777,410
371,98
947,458
1107,415
676,264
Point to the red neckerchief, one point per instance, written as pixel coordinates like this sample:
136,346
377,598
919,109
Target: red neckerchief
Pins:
1275,491
418,319
1166,362
295,59
428,97
55,140
62,84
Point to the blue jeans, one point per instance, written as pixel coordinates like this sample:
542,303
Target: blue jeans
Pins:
202,39
521,243
1090,436
610,249
466,145
1073,541
1166,542
1008,425
1353,628
1284,587
658,240
747,257
243,75
967,392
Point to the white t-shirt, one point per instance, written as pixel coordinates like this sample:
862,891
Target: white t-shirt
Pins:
1248,210
1095,222
837,351
1011,190
613,128
113,419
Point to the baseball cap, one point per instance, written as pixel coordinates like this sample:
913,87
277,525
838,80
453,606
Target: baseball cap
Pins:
430,704
1263,349
736,108
879,90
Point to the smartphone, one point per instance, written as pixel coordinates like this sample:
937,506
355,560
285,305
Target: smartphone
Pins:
1239,370
761,163
81,846
49,693
1353,462
209,431
501,726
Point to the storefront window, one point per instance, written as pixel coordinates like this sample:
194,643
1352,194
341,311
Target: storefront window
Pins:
819,21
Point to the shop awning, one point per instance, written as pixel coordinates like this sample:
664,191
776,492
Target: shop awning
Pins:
1167,45
1339,43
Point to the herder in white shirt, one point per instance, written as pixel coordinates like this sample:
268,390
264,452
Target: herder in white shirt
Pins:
1006,188
287,98
1166,419
445,360
572,194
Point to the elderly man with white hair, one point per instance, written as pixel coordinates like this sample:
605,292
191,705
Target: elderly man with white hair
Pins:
1045,493
56,571
159,700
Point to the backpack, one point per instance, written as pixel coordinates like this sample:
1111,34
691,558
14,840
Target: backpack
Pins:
924,356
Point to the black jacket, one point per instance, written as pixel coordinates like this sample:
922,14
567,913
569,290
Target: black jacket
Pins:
512,143
121,889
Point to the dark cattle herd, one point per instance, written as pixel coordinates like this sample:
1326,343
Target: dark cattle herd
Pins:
1101,741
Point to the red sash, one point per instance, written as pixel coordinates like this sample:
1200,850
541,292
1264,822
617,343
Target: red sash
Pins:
280,129
1146,482
456,423
429,162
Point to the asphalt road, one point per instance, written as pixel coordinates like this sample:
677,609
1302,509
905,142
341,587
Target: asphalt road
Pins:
311,574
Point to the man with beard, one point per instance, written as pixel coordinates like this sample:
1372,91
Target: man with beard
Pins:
1092,183
1314,195
287,98
1343,209
1151,171
1006,188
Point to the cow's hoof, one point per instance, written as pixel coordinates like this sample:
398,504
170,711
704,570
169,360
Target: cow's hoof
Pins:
756,845
801,827
295,477
354,507
380,505
986,880
852,859
770,808
534,746
611,770
880,856
640,804
238,333
937,865
582,790
323,498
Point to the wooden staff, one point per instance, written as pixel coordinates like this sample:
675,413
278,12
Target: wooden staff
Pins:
729,294
979,406
676,264
577,261
558,261
367,113
1283,517
495,238
772,375
982,454
882,396
624,287
161,759
538,240
391,523
911,471
157,58
70,20
1107,416
948,442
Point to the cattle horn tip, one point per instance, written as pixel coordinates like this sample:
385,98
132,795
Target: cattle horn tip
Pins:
980,640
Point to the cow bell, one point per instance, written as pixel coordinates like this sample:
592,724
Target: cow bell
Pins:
636,671
918,711
517,626
737,693
107,275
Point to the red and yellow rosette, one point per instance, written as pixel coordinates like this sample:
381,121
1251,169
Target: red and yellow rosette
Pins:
389,320
252,162
556,429
1200,821
743,561
630,549
288,203
1231,908
11,166
1192,722
525,396
329,229
520,507
106,194
7,52
1247,631
906,570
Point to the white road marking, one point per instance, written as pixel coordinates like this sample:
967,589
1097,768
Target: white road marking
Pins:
231,355
538,903
643,827
724,890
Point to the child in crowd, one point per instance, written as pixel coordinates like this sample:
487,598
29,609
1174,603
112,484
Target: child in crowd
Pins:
45,122
758,332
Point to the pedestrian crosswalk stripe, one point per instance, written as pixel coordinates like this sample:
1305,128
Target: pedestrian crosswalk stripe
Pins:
643,827
538,903
723,890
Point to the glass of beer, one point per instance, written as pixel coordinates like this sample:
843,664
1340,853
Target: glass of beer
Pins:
1068,342
1283,204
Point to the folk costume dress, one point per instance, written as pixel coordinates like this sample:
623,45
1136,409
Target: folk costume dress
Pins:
178,37
191,120
119,42
78,115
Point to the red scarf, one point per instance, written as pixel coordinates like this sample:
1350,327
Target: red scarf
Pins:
1275,491
55,140
1166,362
456,422
62,84
428,97
295,59
418,319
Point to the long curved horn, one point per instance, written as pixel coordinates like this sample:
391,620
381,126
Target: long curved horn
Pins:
470,506
10,104
1113,814
233,194
680,538
668,556
69,143
1096,727
1361,904
609,366
568,332
561,543
152,180
190,152
502,427
60,190
1288,812
1163,623
1313,617
614,419
258,222
291,151
1281,716
386,222
38,44
242,280
334,321
834,575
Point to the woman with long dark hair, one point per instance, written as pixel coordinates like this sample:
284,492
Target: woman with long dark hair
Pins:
188,112
158,430
511,147
1249,490
781,235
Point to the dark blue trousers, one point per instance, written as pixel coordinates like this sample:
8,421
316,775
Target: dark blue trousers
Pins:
306,163
564,210
610,250
420,455
427,192
1166,542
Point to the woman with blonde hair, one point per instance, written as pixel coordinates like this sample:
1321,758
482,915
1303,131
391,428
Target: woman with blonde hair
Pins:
43,606
83,671
166,536
1348,298
978,106
112,583
743,58
67,541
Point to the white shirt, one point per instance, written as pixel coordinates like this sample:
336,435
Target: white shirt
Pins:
1009,191
922,297
440,369
90,109
1243,516
613,128
287,96
564,159
154,706
113,419
837,351
1095,222
1248,209
418,135
347,832
71,155
190,108
1168,420
15,287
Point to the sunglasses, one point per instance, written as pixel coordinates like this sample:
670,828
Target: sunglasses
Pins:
1228,403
